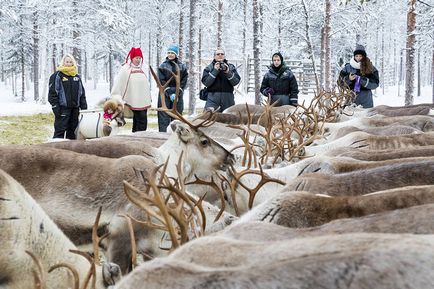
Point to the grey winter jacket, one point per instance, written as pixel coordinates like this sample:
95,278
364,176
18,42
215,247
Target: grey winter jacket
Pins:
164,75
368,82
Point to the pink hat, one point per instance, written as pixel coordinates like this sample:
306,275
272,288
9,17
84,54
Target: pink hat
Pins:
133,53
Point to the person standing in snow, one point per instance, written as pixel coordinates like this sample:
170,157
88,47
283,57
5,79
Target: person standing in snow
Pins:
220,77
131,86
279,83
361,76
67,96
164,74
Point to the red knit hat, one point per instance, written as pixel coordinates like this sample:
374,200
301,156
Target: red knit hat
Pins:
133,53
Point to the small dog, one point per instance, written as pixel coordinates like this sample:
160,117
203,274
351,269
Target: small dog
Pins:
113,110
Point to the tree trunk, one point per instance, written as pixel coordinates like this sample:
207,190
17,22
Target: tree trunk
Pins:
418,73
192,47
279,30
35,57
23,76
410,55
256,54
76,52
246,68
322,58
158,36
309,44
219,23
199,57
382,76
110,66
181,30
432,73
327,49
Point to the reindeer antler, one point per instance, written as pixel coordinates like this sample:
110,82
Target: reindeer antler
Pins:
39,275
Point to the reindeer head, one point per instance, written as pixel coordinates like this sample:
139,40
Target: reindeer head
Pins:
197,145
202,155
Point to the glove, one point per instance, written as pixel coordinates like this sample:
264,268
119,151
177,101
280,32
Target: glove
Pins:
268,91
172,97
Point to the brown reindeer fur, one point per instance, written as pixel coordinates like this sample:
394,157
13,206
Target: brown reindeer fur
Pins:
366,181
70,187
25,226
422,122
418,109
380,155
110,147
388,130
355,261
399,141
411,220
335,165
302,209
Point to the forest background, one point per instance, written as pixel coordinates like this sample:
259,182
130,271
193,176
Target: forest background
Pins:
34,34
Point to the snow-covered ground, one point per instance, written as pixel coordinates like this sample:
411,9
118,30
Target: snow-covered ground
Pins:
9,106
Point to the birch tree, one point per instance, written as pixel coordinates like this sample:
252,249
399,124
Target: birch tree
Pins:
410,52
256,53
192,47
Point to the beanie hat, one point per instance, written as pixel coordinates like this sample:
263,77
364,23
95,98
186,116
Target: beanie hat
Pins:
133,53
173,48
360,49
278,54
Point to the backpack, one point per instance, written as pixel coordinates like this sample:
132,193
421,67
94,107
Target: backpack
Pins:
203,94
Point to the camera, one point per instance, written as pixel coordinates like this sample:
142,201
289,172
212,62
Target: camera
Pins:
223,66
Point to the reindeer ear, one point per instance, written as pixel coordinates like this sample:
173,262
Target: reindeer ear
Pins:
183,131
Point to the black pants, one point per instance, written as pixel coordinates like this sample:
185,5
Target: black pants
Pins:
163,118
140,120
66,121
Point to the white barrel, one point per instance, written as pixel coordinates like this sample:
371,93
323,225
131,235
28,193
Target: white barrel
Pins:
91,124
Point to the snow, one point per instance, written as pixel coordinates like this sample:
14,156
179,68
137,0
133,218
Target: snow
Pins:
11,107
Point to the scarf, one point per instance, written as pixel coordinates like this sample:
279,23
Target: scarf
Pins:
354,63
68,70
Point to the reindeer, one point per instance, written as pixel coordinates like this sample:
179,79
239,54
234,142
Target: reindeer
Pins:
380,155
139,143
25,227
424,123
411,220
366,181
332,261
97,181
302,209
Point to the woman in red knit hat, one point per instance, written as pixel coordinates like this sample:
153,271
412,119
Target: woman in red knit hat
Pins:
132,87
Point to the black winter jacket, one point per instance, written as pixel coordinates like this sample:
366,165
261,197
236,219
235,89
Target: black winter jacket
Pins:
66,91
164,75
282,82
218,81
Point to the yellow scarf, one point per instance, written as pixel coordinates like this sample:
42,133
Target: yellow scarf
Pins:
68,70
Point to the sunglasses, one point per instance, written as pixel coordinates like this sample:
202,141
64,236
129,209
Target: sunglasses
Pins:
219,54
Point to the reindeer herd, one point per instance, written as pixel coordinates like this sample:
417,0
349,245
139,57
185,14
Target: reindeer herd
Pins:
323,195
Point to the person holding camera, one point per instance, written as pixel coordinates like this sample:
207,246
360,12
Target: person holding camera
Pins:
279,83
220,77
164,74
361,76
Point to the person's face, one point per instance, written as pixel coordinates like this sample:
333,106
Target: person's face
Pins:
68,62
276,61
136,60
358,57
171,55
219,55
